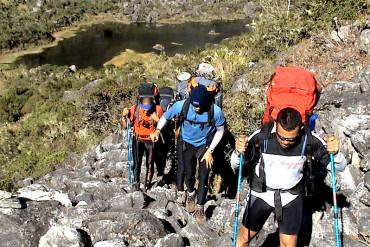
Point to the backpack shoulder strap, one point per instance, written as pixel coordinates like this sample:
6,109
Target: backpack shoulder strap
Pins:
211,116
266,132
136,112
309,188
184,111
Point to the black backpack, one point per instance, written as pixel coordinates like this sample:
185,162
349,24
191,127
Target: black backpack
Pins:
167,95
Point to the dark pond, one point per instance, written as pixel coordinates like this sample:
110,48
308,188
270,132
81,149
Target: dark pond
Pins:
101,42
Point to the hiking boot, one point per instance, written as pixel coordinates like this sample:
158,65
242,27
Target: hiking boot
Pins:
199,215
190,202
147,187
135,187
181,197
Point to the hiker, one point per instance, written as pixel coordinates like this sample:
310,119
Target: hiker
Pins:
144,115
182,93
165,147
182,85
202,127
276,158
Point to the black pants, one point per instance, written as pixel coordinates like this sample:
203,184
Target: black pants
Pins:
139,147
190,162
165,151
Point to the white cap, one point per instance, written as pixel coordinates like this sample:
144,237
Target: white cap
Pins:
183,76
205,68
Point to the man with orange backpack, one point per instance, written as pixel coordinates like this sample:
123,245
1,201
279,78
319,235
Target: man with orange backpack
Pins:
144,115
279,156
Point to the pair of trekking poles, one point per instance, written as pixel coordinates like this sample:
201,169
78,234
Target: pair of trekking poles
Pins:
335,205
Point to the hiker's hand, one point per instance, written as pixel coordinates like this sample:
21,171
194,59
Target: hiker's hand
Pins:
208,158
241,144
125,112
155,117
155,136
332,144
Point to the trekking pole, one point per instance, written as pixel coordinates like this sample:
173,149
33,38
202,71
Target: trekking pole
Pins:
335,206
129,150
237,203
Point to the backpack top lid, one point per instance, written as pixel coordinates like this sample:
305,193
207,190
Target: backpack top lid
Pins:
183,76
292,87
205,69
167,95
167,92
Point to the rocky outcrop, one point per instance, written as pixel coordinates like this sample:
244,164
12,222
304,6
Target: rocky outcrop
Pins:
344,109
152,11
365,41
62,236
73,95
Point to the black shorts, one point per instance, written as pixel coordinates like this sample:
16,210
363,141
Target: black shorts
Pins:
259,211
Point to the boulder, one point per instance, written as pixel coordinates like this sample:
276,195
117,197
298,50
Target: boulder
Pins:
364,222
62,236
249,9
152,17
365,163
111,243
5,195
365,41
170,240
364,80
10,203
343,34
197,235
110,225
223,217
12,234
240,85
38,192
367,180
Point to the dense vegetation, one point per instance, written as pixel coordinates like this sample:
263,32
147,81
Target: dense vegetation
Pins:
25,22
38,129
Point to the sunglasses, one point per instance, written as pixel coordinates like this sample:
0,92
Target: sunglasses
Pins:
286,139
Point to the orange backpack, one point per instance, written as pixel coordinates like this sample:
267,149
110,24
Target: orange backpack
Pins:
292,87
212,86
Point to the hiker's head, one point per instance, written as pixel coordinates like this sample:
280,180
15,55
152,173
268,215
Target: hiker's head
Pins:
183,77
200,98
146,103
288,126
